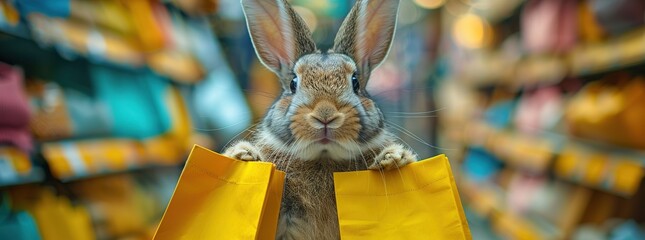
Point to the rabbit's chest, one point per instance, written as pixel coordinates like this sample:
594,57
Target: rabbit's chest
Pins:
309,204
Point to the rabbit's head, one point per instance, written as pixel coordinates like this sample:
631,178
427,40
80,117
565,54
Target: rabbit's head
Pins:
324,109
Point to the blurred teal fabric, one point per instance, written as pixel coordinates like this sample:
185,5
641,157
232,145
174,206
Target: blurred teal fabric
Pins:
135,100
16,225
57,8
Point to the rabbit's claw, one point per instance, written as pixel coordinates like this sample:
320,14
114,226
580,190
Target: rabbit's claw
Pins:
244,151
393,156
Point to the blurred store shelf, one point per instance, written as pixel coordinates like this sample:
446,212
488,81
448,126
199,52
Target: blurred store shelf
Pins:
74,160
616,53
489,201
36,175
509,221
19,30
161,42
17,169
600,166
491,68
546,105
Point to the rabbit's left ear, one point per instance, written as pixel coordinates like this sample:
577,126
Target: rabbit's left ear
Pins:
367,32
278,33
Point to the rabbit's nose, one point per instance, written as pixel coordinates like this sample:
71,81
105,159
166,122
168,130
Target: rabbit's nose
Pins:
325,115
331,122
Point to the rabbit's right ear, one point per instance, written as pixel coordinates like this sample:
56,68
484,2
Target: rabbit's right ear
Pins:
366,34
279,35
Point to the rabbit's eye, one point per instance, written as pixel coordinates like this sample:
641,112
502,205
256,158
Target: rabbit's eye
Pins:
355,83
294,85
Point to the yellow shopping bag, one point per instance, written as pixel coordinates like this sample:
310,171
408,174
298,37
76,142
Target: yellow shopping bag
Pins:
222,198
419,201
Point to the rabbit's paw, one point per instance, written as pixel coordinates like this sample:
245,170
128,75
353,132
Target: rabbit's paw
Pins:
244,151
393,156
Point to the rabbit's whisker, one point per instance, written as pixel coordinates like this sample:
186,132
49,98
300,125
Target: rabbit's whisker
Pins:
237,135
261,93
415,137
417,113
410,116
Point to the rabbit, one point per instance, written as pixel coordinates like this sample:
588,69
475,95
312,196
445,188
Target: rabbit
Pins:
324,121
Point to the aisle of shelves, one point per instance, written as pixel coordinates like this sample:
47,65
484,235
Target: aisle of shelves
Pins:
99,111
550,140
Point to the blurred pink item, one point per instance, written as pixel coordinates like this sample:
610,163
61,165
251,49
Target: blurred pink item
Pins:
522,190
14,109
549,25
539,110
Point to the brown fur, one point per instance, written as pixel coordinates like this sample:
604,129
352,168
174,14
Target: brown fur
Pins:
309,193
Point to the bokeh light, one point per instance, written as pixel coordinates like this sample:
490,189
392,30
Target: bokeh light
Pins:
470,31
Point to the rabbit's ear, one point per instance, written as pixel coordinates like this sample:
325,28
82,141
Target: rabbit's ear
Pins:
279,35
366,34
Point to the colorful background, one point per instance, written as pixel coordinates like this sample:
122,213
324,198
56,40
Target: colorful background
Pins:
539,104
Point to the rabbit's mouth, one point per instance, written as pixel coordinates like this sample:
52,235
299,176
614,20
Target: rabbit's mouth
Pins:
324,148
325,141
326,136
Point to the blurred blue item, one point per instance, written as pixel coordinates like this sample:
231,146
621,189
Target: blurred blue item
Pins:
135,100
480,165
19,226
89,117
220,106
628,230
480,225
202,42
230,10
218,103
16,225
500,114
52,8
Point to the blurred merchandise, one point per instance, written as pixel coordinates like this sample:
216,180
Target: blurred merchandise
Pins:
549,25
610,111
14,109
135,101
51,118
618,16
90,118
588,27
539,105
550,130
197,7
72,222
480,165
19,225
539,111
49,8
120,209
106,88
